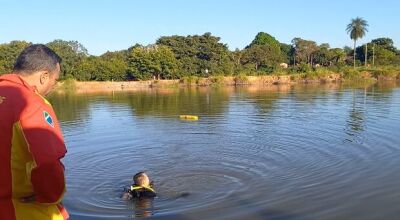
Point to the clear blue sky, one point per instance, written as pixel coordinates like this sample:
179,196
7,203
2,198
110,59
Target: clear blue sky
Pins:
118,24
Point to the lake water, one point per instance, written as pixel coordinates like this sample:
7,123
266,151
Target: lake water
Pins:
280,152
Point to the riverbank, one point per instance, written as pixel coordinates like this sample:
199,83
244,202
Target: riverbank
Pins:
315,77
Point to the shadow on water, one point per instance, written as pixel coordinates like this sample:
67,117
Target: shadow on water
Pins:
162,102
70,107
356,116
143,207
195,101
362,97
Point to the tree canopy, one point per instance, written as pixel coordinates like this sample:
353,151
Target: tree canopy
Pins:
174,57
72,54
9,53
356,29
200,55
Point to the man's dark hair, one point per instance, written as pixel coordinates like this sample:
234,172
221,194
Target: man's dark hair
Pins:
36,57
138,175
139,178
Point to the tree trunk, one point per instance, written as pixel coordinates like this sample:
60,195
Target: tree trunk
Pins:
354,54
366,54
294,58
373,54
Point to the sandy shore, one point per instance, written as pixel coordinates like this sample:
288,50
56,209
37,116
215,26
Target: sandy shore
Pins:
108,86
256,81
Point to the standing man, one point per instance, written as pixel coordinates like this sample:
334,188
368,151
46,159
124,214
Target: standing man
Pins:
32,181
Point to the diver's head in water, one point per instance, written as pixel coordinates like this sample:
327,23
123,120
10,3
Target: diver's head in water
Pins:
141,179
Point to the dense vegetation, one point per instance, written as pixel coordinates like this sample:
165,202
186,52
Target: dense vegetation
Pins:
174,57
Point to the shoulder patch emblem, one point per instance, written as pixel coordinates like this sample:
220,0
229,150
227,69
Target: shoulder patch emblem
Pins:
48,118
2,99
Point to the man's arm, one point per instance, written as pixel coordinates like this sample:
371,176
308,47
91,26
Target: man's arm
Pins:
46,145
48,182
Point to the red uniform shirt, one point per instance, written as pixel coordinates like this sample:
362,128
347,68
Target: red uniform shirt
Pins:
31,146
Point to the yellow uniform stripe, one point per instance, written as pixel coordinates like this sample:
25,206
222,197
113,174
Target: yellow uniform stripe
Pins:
22,164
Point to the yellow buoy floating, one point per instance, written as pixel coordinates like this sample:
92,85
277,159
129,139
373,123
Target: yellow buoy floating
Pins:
189,117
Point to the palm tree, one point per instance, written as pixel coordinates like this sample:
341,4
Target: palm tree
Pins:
356,29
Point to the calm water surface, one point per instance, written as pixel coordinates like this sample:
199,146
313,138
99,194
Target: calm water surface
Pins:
283,152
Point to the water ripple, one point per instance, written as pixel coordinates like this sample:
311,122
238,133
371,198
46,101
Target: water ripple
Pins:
309,154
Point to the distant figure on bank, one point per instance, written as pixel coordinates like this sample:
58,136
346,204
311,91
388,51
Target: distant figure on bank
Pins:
142,187
283,65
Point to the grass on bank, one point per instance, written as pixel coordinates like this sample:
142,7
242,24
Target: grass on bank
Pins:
363,75
305,74
67,86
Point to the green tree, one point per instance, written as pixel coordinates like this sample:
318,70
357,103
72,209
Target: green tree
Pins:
114,69
262,57
385,57
116,65
263,53
9,53
263,38
304,50
356,28
385,52
200,54
349,55
322,55
166,65
87,69
237,57
287,52
337,56
109,66
385,43
152,61
71,52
